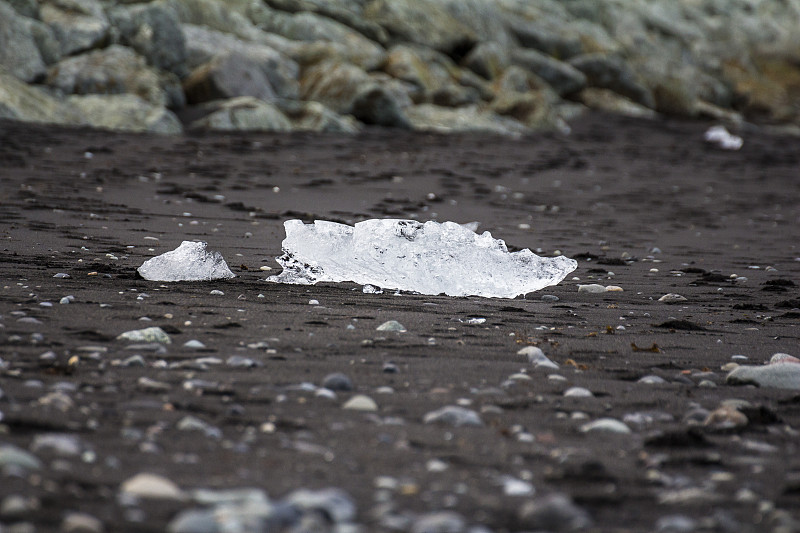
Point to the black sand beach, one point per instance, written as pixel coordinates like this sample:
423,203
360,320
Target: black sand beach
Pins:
643,205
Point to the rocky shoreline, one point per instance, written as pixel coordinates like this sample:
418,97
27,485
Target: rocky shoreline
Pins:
502,66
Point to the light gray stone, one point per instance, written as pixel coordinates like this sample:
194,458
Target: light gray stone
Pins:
313,116
244,113
776,375
154,32
488,59
151,486
19,53
422,22
453,415
19,101
310,27
554,512
112,70
562,77
125,112
79,25
610,72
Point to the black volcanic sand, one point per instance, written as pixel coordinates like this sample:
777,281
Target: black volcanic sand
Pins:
646,206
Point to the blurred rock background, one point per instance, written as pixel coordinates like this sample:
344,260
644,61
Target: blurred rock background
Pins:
505,66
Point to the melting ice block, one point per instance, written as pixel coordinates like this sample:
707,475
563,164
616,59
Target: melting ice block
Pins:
188,262
429,258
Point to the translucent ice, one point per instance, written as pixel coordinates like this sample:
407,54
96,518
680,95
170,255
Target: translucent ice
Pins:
429,258
187,262
723,138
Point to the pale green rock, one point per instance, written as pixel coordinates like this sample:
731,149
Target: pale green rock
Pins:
151,334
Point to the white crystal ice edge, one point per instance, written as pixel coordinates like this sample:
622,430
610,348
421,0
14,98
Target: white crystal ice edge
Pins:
429,258
188,262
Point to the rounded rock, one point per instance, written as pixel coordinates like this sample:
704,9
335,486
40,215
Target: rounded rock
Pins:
606,425
337,382
361,402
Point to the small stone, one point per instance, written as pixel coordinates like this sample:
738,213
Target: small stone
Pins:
675,524
516,487
238,361
66,299
57,444
606,425
554,512
150,385
361,402
537,357
592,288
439,522
133,361
614,288
779,376
578,392
151,486
783,358
453,415
392,325
11,456
216,292
337,382
81,523
195,521
371,289
313,302
333,502
672,298
152,334
549,298
724,418
651,380
390,368
194,344
62,275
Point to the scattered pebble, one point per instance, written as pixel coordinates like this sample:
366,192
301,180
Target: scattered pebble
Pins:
439,522
62,275
217,292
578,392
453,415
17,458
152,334
554,512
81,523
392,325
537,358
371,289
672,298
151,486
606,425
337,382
194,344
779,376
361,402
725,417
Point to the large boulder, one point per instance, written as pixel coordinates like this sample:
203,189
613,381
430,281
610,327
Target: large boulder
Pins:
18,50
113,70
124,112
19,101
561,45
432,73
259,72
244,113
488,59
429,117
216,15
611,102
422,22
79,25
313,116
310,27
611,72
154,32
563,78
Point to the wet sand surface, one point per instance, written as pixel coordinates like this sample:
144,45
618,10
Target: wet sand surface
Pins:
645,206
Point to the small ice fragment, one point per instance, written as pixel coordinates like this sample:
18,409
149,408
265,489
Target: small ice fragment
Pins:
188,262
592,288
475,320
313,302
62,275
429,258
723,138
371,289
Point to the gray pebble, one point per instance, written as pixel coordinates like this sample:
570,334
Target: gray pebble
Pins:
334,502
133,361
239,361
549,298
11,456
16,506
675,524
453,415
58,444
779,376
651,380
337,382
439,522
555,512
81,523
62,275
392,325
194,521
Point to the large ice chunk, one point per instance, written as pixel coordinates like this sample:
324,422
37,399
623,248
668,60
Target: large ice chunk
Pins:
187,262
429,258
